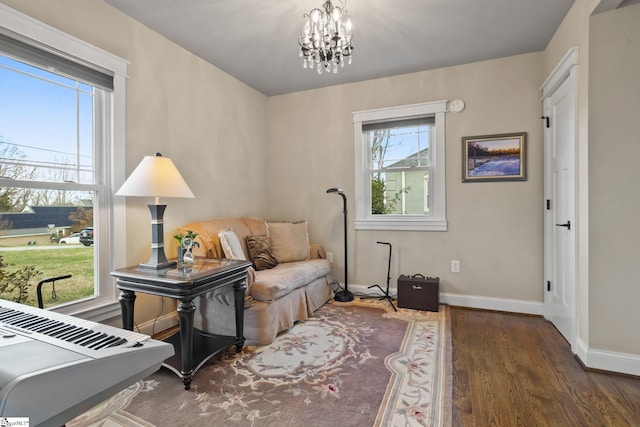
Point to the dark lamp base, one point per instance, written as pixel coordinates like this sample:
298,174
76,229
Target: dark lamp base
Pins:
158,266
343,296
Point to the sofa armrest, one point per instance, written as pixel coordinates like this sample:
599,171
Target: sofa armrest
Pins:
251,278
316,251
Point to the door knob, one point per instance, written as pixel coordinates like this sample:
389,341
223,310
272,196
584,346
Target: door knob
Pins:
566,224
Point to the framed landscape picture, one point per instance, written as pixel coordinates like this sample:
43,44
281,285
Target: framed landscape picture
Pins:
494,157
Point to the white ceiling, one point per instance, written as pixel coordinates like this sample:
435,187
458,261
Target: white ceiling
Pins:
256,40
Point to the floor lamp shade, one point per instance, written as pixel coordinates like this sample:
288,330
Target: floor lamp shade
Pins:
156,176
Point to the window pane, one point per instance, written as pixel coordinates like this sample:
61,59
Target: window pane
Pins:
47,138
400,193
400,147
46,124
40,240
403,192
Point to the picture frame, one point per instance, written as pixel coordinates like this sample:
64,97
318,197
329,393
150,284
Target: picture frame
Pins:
500,157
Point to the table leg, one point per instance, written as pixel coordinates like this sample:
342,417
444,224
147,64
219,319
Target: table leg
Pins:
127,300
239,291
186,308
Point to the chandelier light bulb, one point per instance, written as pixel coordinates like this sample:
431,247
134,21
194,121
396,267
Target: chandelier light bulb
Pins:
336,14
315,15
326,38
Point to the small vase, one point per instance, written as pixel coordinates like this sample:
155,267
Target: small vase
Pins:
181,252
188,256
187,246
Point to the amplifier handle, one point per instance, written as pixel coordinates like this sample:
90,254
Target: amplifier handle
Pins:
418,275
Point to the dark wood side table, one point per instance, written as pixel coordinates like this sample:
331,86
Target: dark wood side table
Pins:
227,278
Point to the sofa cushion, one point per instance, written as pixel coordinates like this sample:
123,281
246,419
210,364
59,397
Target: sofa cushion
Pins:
231,245
260,252
256,227
289,240
210,242
277,282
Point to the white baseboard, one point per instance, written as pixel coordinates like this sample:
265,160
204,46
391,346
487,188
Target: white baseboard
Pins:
158,325
363,290
605,360
498,304
471,301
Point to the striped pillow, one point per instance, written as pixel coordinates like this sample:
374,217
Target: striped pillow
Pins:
260,252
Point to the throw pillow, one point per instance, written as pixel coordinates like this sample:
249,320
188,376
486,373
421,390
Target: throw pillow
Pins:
260,252
289,240
231,245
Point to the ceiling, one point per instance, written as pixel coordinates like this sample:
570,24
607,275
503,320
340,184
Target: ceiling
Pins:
256,40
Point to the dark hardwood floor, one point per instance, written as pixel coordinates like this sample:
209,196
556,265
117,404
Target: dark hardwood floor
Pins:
514,370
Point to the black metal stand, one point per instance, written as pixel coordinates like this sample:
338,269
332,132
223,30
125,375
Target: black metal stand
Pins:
385,293
51,280
344,295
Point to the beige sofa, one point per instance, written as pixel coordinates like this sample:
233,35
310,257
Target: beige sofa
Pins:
276,297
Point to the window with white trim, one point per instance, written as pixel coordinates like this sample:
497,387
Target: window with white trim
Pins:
400,168
62,149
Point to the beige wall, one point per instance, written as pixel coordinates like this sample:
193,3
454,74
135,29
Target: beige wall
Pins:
245,154
495,229
607,269
213,127
209,123
614,150
574,32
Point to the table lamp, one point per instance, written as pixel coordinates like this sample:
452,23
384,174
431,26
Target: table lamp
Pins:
156,176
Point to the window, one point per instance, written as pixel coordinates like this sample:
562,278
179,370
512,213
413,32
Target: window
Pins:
61,153
400,168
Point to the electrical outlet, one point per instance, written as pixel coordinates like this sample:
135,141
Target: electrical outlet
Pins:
455,266
330,257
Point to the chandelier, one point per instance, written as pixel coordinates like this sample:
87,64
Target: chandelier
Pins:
325,40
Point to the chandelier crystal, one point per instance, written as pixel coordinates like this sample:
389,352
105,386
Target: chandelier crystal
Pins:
325,40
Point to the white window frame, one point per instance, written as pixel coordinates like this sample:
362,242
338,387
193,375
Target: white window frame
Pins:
110,166
437,218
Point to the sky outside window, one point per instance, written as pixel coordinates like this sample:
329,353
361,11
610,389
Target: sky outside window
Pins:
49,118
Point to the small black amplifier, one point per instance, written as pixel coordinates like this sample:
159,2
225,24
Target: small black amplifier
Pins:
419,292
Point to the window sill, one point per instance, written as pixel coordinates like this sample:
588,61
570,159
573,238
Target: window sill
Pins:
96,311
401,224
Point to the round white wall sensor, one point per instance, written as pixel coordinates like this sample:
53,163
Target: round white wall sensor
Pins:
456,105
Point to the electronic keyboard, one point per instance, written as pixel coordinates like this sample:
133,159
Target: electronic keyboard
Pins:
54,367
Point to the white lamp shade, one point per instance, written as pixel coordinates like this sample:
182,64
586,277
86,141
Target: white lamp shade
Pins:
155,176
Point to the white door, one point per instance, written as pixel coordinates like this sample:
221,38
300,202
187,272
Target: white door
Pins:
559,123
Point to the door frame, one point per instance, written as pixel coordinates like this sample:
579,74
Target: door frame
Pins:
567,69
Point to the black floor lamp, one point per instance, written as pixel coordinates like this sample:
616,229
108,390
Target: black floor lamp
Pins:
344,295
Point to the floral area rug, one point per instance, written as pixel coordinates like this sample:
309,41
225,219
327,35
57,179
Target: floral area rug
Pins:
352,364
